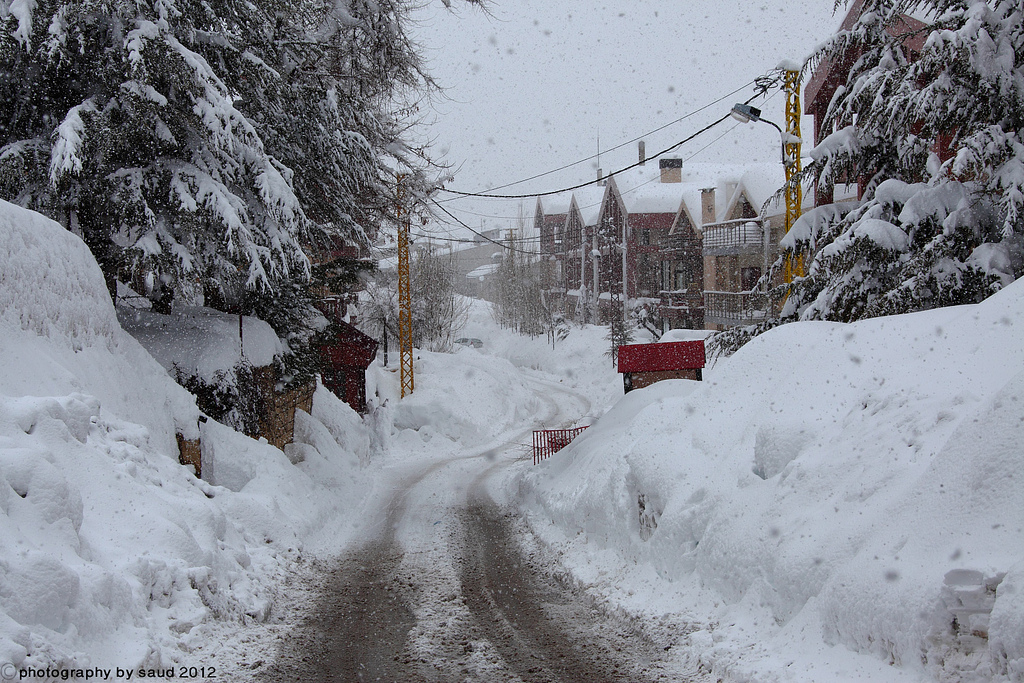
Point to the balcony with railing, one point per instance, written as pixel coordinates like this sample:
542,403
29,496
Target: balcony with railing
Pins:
682,307
742,236
735,308
681,300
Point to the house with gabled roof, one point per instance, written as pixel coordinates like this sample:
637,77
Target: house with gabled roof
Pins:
579,266
690,243
681,296
559,223
637,213
741,242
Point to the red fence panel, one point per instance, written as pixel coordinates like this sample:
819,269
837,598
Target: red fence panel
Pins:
547,442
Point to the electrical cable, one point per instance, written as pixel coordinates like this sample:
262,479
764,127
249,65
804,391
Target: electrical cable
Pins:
537,238
500,244
627,142
589,182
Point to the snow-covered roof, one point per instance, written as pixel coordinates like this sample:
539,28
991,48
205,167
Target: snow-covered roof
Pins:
201,341
690,205
588,200
554,204
480,272
758,183
642,191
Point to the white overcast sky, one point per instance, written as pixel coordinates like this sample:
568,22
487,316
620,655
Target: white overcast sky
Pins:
531,85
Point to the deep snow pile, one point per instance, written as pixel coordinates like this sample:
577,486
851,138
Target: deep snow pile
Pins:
111,553
830,489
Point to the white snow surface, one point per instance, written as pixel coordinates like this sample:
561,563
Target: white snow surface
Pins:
822,506
201,341
111,553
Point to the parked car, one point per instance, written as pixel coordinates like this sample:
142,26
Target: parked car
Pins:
468,341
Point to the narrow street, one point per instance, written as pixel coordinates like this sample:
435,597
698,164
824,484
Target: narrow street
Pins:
451,588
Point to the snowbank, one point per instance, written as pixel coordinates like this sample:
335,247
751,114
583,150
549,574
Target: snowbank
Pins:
201,341
111,553
829,489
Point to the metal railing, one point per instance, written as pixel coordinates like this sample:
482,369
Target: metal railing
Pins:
737,235
547,442
738,307
681,299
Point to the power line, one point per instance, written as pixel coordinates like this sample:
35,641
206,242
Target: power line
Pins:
500,244
655,179
527,239
477,213
623,144
464,240
589,182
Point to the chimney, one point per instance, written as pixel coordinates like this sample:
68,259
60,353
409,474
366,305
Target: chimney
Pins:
707,206
599,178
643,152
671,170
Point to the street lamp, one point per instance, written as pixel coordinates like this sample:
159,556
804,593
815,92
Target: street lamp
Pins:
744,113
790,163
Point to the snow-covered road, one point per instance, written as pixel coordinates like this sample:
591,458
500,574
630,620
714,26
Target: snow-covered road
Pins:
449,586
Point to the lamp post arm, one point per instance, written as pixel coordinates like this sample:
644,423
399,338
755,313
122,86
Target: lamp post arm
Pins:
782,136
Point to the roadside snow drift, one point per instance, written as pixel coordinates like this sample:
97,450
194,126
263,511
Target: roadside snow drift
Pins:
111,553
830,489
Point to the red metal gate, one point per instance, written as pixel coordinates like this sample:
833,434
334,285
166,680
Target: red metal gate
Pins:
547,442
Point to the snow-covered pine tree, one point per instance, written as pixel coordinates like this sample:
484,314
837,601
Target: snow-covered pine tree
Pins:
120,120
197,146
935,139
339,114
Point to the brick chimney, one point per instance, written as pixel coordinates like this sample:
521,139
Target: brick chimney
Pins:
707,206
643,152
671,170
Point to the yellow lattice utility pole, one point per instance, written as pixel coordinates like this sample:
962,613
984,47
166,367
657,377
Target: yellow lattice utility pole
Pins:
404,293
794,263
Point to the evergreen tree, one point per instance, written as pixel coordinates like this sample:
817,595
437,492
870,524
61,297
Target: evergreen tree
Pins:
120,120
201,147
935,138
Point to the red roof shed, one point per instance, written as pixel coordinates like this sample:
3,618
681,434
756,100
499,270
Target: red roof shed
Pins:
681,355
644,364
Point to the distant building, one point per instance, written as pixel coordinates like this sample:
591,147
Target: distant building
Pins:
689,242
612,242
477,263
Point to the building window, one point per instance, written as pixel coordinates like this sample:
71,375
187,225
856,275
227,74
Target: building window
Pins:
682,277
749,278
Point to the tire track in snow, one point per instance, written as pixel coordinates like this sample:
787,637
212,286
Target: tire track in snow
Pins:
444,591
